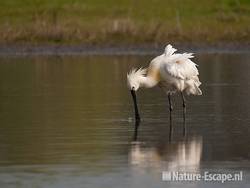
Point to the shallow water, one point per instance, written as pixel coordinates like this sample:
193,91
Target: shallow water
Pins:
67,121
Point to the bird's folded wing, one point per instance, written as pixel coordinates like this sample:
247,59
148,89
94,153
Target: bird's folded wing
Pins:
180,66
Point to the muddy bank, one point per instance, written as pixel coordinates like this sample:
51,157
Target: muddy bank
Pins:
12,50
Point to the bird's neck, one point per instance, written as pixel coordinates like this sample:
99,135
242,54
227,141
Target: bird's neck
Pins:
148,82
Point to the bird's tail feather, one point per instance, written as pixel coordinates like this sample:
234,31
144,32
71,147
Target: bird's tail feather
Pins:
193,87
197,90
169,50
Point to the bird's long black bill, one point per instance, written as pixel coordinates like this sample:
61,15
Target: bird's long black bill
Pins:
137,124
137,116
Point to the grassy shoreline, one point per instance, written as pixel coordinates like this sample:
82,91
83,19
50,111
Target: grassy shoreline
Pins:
97,22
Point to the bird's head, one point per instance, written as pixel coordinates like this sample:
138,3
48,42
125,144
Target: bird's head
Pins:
134,77
134,80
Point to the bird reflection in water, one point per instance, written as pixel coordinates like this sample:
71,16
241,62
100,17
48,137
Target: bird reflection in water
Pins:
184,154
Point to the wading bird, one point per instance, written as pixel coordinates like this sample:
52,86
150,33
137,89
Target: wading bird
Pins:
173,72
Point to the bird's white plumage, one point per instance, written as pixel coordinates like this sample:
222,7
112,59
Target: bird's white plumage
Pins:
177,73
169,51
180,66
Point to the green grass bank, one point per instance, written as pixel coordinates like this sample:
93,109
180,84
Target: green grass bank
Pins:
130,22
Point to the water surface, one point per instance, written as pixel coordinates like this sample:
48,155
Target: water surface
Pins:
67,121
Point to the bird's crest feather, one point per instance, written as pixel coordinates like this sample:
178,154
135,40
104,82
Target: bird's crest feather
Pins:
134,73
134,76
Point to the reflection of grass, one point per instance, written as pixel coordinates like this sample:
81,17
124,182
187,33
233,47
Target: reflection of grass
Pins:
124,21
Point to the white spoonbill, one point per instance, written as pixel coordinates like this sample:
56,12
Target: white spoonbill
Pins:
173,72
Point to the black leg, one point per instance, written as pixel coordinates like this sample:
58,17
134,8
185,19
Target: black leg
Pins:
184,114
170,117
